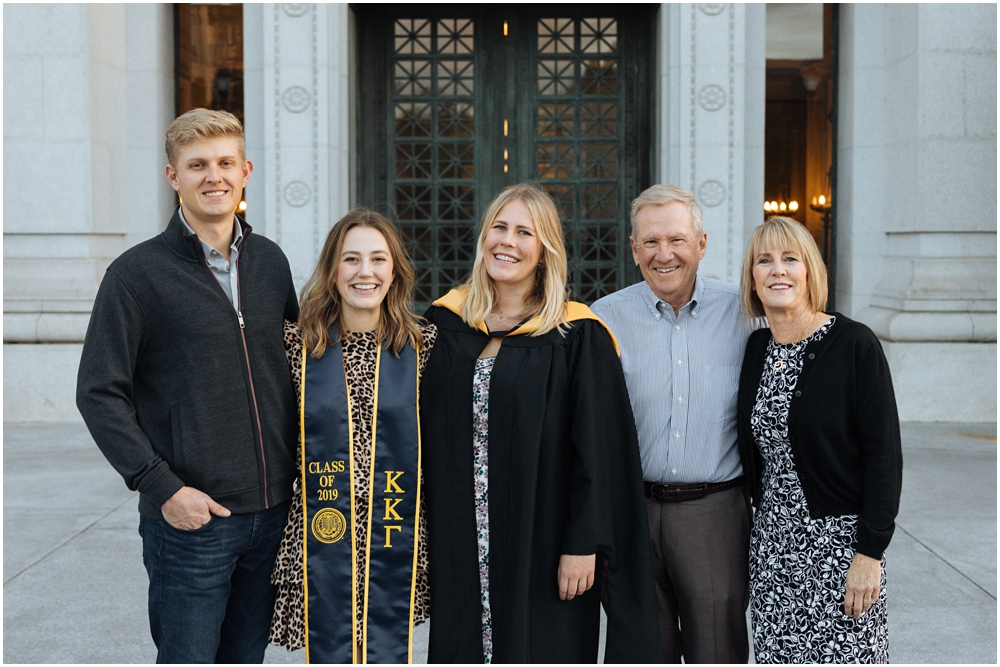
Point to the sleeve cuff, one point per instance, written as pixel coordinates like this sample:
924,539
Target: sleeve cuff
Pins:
165,485
873,541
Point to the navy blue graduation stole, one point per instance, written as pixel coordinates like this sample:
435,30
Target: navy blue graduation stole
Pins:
330,510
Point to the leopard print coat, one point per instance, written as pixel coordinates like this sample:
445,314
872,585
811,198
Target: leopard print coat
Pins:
288,621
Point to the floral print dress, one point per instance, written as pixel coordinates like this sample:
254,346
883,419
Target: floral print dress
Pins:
798,565
480,449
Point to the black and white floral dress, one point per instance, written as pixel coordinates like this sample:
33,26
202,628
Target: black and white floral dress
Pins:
480,449
798,565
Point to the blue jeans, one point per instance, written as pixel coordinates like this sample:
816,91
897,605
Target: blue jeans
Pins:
210,592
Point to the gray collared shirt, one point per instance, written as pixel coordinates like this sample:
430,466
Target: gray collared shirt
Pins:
682,374
224,271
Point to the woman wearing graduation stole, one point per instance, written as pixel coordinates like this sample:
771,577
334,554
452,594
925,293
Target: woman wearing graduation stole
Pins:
534,487
352,569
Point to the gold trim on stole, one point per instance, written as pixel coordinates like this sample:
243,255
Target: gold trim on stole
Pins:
354,511
416,521
302,465
371,504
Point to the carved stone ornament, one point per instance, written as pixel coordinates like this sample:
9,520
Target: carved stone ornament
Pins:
712,97
711,193
295,9
297,194
297,99
712,9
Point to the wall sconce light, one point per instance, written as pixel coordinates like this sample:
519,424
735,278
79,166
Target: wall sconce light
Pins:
775,207
821,204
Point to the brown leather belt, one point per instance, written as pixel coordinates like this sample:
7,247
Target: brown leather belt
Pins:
676,493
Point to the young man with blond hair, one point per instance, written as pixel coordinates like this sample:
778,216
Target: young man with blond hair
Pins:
185,388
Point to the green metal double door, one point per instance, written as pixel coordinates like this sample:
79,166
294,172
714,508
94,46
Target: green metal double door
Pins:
456,103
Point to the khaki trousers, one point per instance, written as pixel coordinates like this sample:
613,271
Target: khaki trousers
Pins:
700,554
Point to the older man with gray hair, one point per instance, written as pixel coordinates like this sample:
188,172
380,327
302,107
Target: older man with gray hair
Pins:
682,338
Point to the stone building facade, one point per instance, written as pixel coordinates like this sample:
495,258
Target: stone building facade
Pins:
89,91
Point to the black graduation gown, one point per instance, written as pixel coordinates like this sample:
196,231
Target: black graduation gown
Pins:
564,478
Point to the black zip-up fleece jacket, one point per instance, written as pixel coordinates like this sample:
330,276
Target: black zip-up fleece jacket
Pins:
176,390
842,426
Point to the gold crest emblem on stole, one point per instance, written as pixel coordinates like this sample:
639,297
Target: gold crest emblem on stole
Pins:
328,525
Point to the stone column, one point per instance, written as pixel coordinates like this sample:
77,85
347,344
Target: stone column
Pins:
711,120
916,217
297,60
88,95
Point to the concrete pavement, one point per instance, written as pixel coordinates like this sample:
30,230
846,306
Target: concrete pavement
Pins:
75,589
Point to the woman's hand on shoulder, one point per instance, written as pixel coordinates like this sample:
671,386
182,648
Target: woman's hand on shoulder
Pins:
576,575
864,578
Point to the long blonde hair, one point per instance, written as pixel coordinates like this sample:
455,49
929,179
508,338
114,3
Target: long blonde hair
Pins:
321,302
779,233
548,299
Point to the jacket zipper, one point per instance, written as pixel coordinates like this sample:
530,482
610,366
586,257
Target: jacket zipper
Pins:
253,391
246,355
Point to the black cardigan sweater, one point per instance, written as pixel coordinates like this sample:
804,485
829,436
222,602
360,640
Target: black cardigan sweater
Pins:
843,428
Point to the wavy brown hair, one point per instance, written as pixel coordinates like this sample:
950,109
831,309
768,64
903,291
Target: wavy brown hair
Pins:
321,303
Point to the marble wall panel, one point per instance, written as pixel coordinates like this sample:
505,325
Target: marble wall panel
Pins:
943,381
47,187
66,95
980,100
711,113
957,186
300,132
942,91
968,27
84,177
861,156
21,111
916,199
46,28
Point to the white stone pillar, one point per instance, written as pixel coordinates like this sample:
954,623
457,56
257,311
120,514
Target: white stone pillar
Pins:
861,160
88,93
916,217
297,72
711,120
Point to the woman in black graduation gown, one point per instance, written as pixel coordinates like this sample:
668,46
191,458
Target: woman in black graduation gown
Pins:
531,461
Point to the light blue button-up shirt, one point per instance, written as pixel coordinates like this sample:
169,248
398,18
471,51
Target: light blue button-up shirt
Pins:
224,271
682,373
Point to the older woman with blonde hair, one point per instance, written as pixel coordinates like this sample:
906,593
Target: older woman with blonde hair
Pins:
819,441
532,462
